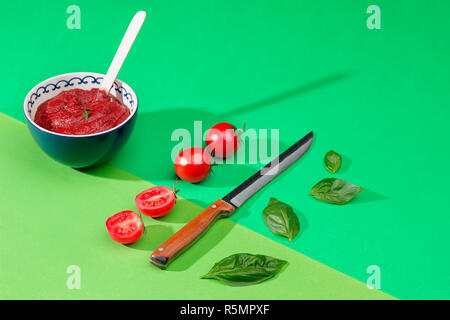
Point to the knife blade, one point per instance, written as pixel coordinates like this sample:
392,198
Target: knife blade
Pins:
225,207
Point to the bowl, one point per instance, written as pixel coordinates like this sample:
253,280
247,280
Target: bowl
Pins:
80,151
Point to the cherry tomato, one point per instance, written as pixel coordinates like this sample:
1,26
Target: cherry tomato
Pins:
155,202
125,227
222,140
193,164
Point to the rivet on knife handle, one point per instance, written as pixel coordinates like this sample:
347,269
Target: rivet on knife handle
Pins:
190,233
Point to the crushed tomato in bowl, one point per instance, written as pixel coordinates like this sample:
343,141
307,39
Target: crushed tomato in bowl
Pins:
81,112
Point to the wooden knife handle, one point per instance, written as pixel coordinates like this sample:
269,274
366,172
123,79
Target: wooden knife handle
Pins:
190,233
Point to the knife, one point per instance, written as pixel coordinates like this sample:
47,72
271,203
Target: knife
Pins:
223,208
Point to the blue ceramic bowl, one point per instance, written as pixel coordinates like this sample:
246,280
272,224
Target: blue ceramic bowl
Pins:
83,150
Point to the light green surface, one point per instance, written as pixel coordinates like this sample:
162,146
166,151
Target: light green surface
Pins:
380,98
56,217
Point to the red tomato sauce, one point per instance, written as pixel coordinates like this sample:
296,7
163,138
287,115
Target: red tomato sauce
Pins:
80,112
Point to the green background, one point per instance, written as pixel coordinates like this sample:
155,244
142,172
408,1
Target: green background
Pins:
378,97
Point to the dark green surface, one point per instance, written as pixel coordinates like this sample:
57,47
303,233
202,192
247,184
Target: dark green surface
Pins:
380,98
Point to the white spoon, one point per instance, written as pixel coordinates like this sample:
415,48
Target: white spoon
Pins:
122,52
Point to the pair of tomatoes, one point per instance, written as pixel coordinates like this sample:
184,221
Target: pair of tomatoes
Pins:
194,164
127,227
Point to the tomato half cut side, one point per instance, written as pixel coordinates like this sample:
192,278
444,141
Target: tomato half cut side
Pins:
125,227
155,202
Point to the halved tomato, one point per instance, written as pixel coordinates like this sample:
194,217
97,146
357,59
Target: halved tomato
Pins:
125,227
155,202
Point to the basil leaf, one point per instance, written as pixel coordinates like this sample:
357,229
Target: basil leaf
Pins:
244,269
281,219
336,191
332,161
85,113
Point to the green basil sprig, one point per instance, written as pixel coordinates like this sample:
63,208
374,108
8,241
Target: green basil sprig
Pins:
281,219
335,191
85,113
244,269
332,161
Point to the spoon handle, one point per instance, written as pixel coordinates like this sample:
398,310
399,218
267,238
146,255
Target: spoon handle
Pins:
122,52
